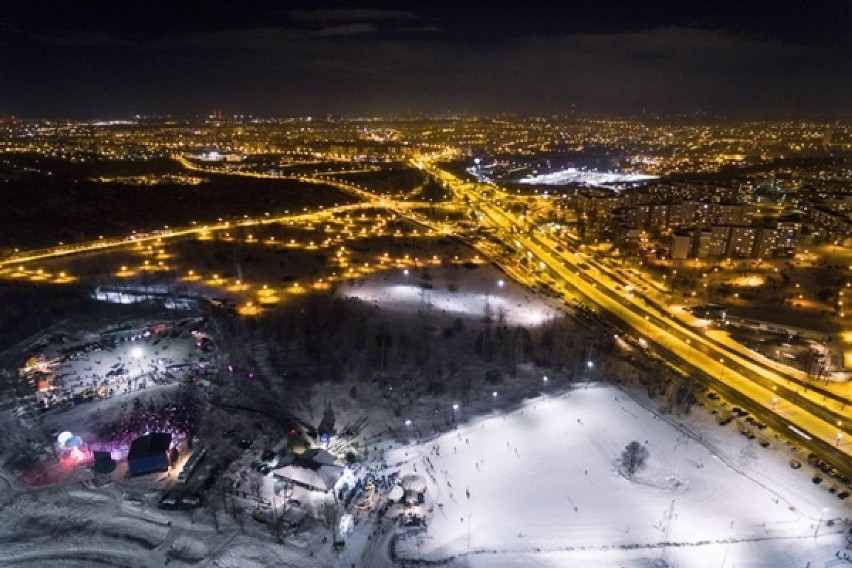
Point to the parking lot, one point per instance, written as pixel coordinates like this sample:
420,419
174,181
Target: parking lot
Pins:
753,428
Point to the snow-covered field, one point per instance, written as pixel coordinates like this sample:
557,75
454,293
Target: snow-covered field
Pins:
410,298
545,489
535,483
471,294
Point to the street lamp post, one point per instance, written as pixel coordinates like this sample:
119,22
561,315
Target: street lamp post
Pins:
544,384
819,523
494,401
487,308
724,369
136,353
589,367
839,437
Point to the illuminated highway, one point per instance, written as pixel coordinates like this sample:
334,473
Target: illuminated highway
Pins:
370,200
764,386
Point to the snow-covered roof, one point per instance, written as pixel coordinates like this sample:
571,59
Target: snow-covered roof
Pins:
414,483
323,477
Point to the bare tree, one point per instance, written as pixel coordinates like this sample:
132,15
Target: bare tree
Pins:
633,458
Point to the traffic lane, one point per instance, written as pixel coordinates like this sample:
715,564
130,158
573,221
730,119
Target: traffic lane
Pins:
830,454
779,390
664,326
677,326
501,219
710,365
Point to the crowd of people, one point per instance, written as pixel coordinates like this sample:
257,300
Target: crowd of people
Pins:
176,415
74,382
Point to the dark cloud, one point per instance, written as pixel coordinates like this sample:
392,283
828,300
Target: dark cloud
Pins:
354,28
749,58
350,15
76,38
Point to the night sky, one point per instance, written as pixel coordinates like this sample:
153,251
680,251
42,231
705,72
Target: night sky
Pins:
116,58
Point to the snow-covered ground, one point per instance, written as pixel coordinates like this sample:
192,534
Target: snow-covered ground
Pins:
158,354
542,475
545,488
471,294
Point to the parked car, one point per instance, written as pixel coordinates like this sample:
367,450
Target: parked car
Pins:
171,502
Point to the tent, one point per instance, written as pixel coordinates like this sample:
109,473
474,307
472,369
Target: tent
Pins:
149,453
321,478
414,483
396,494
103,462
313,469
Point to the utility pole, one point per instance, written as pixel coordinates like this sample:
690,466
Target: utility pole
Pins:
667,523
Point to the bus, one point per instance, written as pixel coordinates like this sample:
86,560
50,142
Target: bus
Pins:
192,464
